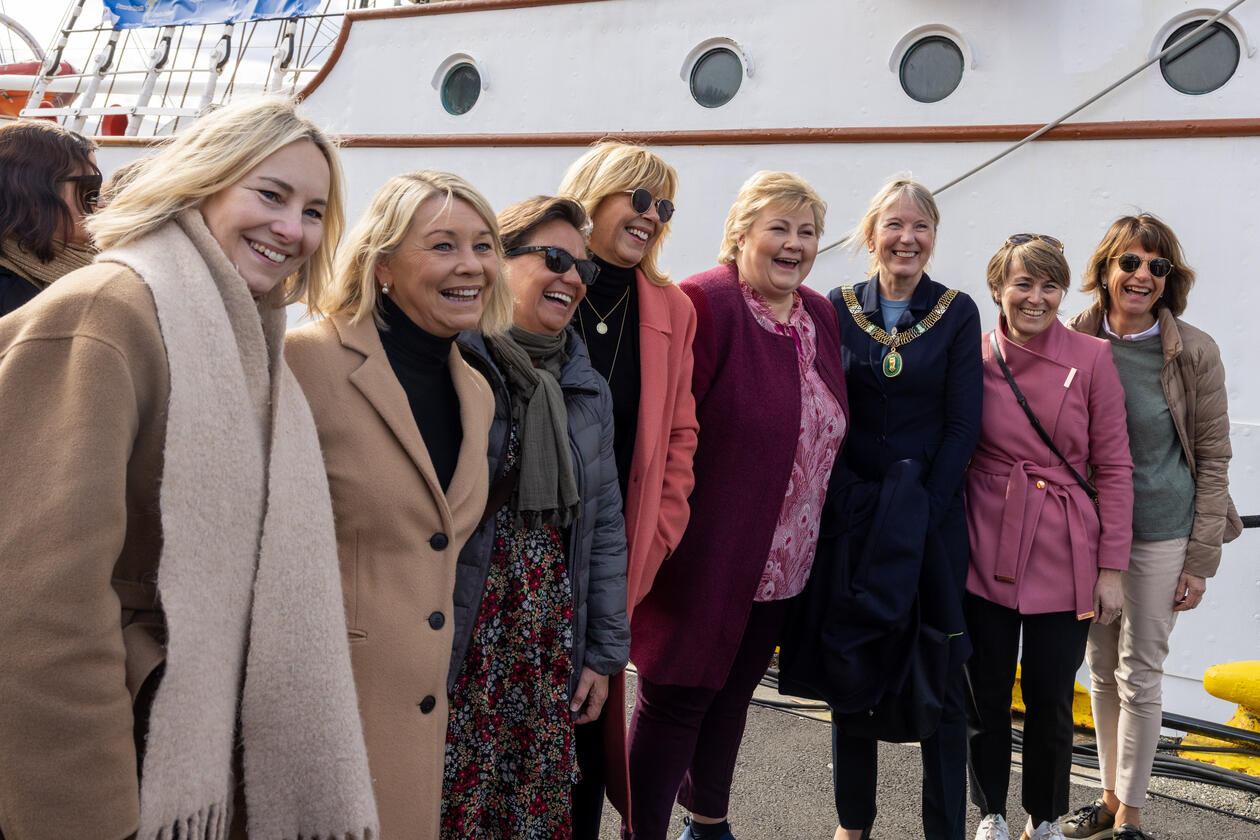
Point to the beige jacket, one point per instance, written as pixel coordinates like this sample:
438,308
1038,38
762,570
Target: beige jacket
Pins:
1194,387
398,536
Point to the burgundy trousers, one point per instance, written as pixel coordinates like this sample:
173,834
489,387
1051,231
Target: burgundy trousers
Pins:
683,740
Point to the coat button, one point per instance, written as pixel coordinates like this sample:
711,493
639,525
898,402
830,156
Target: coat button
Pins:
439,541
1041,485
436,620
427,704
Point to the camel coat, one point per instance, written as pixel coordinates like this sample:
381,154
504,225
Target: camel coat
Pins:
398,537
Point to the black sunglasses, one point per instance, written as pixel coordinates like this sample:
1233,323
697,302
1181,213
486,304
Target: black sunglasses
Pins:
560,261
641,200
1021,238
89,190
1129,263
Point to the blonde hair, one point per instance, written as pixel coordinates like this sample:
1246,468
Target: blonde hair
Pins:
216,151
384,226
763,189
611,168
1039,258
888,195
1154,235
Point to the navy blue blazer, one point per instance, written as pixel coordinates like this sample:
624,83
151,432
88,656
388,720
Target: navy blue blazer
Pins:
929,413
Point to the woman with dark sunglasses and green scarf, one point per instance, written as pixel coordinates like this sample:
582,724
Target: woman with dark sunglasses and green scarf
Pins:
49,184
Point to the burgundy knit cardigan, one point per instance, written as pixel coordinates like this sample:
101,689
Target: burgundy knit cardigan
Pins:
747,385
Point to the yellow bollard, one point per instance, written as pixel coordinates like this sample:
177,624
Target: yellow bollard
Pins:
1237,682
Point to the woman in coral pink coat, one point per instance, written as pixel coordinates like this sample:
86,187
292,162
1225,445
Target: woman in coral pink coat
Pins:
638,328
1045,560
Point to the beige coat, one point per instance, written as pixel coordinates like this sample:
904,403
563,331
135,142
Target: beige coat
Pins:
1193,377
398,537
78,511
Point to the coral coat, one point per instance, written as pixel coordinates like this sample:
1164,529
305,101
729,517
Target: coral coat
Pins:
1037,541
398,537
660,478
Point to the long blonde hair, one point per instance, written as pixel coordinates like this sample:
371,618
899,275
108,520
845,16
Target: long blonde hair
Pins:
611,168
382,228
212,155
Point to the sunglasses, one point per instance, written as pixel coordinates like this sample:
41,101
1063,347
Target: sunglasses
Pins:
641,200
1021,238
89,190
1129,263
559,261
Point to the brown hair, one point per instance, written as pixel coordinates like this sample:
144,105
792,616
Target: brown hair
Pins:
35,157
1039,258
1153,235
518,222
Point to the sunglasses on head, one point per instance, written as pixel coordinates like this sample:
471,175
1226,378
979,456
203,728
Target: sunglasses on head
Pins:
641,200
1021,238
1129,263
89,190
560,261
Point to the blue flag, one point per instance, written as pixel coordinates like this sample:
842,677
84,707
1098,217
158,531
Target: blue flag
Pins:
137,14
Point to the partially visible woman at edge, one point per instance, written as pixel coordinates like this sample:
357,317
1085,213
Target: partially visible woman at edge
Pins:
49,185
1174,391
704,633
175,659
638,328
1044,559
404,424
544,576
914,386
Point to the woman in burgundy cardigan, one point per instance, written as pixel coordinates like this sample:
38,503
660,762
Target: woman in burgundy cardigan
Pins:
771,403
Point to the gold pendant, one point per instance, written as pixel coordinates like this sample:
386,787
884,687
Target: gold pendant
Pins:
892,364
601,328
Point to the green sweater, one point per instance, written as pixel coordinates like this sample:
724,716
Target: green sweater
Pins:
1163,490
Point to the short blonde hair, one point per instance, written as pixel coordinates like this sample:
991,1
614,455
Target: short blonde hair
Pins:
382,228
216,151
1039,258
1154,235
610,168
888,195
763,189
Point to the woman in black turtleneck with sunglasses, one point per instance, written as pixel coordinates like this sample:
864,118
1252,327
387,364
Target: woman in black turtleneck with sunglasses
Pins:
638,329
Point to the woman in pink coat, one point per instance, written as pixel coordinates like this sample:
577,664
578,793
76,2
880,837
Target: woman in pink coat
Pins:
1045,559
637,327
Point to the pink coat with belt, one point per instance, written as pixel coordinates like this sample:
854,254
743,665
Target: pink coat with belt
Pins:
660,478
1037,541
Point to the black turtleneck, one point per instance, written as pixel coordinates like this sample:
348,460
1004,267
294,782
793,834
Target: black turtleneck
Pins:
420,361
621,343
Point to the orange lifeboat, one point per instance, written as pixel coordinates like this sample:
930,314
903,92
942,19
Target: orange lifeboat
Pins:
13,101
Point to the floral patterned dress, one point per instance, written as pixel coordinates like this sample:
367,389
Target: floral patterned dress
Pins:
509,741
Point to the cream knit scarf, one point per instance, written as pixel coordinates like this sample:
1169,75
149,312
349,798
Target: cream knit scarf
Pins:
248,574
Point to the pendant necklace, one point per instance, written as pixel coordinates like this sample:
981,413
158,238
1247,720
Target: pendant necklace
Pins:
893,362
601,326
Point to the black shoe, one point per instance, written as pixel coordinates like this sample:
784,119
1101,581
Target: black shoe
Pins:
1125,831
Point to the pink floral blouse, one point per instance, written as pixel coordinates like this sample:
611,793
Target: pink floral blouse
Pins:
822,429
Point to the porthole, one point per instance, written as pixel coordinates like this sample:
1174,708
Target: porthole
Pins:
715,77
460,88
931,69
1202,64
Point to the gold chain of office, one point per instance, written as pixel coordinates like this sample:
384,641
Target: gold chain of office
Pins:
893,362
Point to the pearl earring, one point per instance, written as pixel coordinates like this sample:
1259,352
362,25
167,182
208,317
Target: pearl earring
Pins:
384,288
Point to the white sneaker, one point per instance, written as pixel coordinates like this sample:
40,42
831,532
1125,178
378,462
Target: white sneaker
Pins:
993,827
1048,830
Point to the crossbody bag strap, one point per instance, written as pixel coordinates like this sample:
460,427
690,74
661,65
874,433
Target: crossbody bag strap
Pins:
1036,424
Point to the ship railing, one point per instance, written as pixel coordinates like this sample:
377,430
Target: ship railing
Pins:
156,78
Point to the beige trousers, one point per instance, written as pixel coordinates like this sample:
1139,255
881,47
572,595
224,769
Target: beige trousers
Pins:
1126,666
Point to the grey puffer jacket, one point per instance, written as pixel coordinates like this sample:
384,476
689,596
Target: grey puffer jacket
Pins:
597,540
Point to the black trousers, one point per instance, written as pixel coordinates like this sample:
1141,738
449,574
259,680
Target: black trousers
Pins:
588,793
854,772
1054,646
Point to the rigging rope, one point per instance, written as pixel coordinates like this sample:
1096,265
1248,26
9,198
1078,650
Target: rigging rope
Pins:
1091,100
